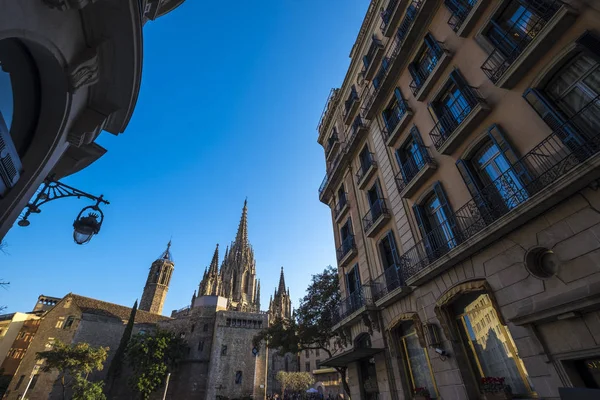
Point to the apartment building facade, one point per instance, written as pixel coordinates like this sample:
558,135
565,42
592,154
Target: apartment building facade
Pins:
327,380
462,176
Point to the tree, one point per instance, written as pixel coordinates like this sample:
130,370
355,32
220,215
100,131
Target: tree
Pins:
312,325
116,364
295,381
151,357
86,390
75,362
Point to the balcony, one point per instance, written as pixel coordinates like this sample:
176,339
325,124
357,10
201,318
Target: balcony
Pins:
457,119
351,105
389,286
376,217
355,133
333,144
415,171
346,251
415,18
366,170
330,175
399,118
464,14
372,59
390,17
552,171
340,209
352,307
529,37
429,69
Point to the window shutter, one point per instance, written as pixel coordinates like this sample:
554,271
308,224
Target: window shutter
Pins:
399,97
357,276
544,107
366,61
591,44
432,43
414,133
468,177
497,137
441,195
392,241
413,72
424,227
452,5
347,284
462,85
10,162
400,162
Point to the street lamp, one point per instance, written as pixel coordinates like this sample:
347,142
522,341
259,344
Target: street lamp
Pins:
85,225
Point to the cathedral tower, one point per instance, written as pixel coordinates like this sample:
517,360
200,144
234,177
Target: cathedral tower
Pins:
280,305
211,284
157,284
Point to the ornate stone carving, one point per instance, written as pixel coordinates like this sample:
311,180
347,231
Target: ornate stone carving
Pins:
84,69
370,320
67,4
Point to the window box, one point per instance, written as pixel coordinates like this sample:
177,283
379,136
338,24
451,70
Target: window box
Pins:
372,59
376,217
515,50
458,108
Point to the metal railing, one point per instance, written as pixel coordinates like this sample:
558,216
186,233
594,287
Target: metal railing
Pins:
411,167
327,108
331,167
357,125
351,99
385,283
567,147
407,23
352,303
425,67
365,165
452,115
510,43
348,244
459,11
342,202
386,15
378,209
395,115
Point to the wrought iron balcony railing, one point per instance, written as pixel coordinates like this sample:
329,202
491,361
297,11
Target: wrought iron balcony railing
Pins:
365,166
509,43
412,165
407,23
341,204
452,115
459,10
324,183
356,126
570,145
351,99
346,247
387,282
377,210
368,58
331,167
352,303
393,118
425,66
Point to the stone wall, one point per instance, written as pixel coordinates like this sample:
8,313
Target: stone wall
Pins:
279,362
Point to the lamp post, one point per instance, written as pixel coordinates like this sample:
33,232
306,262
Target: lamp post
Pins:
87,223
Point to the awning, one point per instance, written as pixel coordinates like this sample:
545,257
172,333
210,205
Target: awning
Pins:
345,358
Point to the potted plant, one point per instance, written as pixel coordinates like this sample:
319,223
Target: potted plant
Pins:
494,388
421,393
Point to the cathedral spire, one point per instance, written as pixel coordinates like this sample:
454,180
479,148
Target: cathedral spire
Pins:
166,255
241,239
281,288
214,265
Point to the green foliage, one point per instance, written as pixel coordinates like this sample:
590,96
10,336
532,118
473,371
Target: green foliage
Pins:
152,357
295,381
84,390
117,362
75,361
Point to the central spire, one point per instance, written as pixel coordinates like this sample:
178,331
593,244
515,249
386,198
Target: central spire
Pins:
281,288
214,265
242,234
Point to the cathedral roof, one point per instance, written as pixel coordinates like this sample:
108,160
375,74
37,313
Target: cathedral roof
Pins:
104,308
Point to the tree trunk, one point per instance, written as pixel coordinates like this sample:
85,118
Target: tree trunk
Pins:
342,371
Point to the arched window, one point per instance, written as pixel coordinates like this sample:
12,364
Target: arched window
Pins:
416,359
489,345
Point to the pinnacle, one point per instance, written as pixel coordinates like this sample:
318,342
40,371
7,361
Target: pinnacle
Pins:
166,255
214,265
281,288
241,238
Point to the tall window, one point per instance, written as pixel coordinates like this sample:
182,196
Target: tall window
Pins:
425,61
341,195
488,343
394,111
436,223
388,251
416,359
238,377
411,156
307,366
353,284
346,236
366,160
374,196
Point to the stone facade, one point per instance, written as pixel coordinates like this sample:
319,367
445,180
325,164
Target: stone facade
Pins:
465,220
157,283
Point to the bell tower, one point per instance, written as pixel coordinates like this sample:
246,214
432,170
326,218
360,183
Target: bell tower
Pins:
157,284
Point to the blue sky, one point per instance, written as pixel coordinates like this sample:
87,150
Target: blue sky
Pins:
230,98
